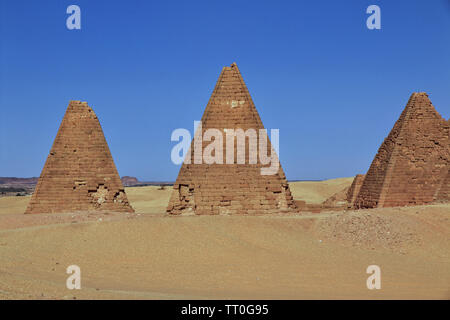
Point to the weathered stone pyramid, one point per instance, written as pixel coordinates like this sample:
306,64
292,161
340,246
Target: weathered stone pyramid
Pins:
79,174
412,164
353,191
229,188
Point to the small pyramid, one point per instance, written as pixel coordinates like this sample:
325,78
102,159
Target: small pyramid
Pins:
79,174
412,164
353,191
229,188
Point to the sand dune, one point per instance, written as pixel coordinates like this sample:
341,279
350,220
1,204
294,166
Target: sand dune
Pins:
149,255
318,191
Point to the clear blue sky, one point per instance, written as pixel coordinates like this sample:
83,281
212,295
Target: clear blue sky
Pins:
332,87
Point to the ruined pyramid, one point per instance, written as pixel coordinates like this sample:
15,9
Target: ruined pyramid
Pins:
353,191
237,188
412,165
79,174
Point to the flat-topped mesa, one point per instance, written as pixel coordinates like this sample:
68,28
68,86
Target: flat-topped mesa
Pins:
411,166
79,174
237,188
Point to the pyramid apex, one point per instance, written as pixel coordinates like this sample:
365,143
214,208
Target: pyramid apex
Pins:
231,67
78,102
423,93
420,101
79,106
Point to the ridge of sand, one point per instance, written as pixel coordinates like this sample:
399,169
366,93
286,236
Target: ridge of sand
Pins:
318,191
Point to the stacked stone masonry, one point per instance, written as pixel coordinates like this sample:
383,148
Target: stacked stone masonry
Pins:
443,193
412,164
79,174
229,188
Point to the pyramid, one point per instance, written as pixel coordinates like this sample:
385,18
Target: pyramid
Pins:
79,174
353,191
411,166
237,188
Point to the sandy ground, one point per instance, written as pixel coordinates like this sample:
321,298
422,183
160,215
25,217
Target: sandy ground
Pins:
149,255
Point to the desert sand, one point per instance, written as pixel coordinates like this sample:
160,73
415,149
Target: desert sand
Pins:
150,255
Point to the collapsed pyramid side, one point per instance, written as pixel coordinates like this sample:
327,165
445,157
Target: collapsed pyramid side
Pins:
229,188
79,174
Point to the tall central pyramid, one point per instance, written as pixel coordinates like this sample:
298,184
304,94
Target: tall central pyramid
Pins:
412,164
79,174
229,188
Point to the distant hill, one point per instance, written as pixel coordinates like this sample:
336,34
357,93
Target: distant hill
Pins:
30,183
13,181
129,181
11,186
